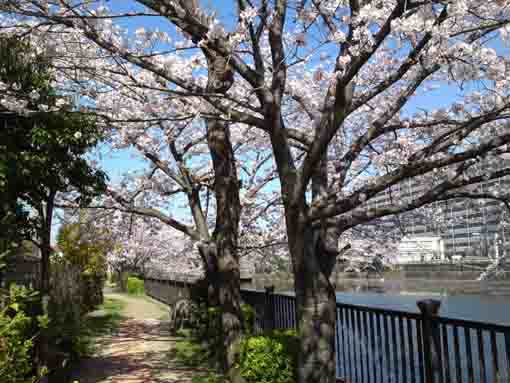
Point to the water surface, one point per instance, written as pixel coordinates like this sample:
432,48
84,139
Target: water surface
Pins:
478,307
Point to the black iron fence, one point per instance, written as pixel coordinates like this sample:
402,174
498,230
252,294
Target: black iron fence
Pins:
169,291
388,346
380,345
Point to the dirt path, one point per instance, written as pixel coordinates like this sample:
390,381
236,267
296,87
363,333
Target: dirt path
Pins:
140,308
140,351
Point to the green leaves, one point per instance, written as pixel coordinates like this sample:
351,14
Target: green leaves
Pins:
269,358
17,333
41,153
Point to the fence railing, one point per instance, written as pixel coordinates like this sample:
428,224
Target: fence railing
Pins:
381,345
388,346
168,291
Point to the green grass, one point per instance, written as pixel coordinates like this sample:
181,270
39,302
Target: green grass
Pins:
106,318
190,353
135,286
103,321
193,354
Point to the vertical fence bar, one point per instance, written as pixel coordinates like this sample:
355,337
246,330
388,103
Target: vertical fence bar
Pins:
494,354
360,345
395,348
469,355
349,342
373,349
281,316
342,330
269,308
481,356
380,346
278,310
387,348
456,345
276,315
366,340
354,335
282,312
419,341
446,359
338,361
507,348
410,337
429,309
288,313
402,348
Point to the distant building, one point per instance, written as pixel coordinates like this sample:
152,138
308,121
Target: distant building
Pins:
465,227
420,249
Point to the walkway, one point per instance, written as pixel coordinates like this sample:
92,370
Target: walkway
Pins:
139,351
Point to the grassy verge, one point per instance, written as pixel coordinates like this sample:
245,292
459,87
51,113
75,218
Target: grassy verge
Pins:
190,353
105,319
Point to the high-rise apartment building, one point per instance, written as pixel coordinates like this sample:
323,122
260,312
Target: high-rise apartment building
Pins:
465,226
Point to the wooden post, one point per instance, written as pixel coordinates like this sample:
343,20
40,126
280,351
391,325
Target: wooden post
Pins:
269,308
431,352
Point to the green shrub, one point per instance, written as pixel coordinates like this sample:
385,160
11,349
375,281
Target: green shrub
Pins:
135,286
207,326
269,358
249,318
18,330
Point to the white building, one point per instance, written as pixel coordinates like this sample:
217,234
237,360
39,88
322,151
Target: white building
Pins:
420,249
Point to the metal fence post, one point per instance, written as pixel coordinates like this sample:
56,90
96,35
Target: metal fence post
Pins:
429,309
269,308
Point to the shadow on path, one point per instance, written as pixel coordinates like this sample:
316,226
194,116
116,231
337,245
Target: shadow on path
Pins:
138,351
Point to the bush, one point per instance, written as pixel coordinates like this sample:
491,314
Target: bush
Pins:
18,330
135,286
269,358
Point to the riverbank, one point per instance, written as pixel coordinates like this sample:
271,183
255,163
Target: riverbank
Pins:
393,283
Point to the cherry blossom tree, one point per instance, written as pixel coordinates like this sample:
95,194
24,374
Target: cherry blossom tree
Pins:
147,247
191,155
350,98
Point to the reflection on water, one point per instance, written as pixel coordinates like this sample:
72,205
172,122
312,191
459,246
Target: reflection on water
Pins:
485,308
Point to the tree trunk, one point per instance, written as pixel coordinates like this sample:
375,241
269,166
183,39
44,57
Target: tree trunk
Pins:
229,290
122,277
225,237
209,257
228,209
45,238
316,306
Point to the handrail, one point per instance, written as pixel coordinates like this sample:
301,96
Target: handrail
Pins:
378,344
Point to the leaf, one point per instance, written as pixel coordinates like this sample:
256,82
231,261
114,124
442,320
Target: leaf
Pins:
15,306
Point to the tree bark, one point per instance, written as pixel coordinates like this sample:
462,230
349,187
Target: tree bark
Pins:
225,237
316,304
228,210
45,235
209,257
45,238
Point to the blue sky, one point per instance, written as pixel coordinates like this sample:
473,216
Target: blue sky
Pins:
119,162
